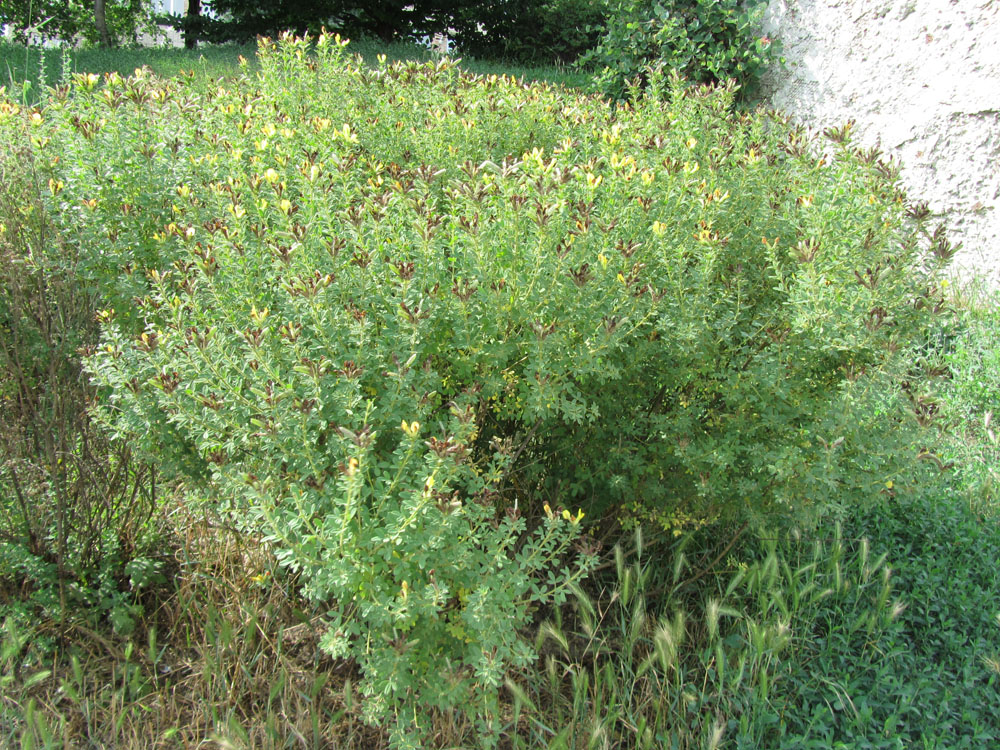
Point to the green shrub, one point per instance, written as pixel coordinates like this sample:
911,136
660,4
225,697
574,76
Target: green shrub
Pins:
75,509
528,31
393,317
705,41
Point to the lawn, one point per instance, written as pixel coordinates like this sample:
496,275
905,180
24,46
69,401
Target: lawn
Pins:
27,70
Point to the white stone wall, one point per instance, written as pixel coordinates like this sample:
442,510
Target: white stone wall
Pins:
922,80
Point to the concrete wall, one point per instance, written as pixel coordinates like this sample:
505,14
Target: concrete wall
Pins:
922,80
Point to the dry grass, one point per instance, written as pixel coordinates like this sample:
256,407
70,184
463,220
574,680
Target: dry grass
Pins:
227,657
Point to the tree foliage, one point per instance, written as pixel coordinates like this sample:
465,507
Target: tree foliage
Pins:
529,31
70,20
510,29
392,19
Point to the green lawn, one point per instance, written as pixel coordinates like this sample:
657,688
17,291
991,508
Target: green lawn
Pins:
28,69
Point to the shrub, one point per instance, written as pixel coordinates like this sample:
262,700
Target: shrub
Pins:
705,41
527,31
358,458
396,318
74,527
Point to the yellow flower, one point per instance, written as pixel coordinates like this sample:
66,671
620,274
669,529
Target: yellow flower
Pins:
659,228
613,136
346,134
692,142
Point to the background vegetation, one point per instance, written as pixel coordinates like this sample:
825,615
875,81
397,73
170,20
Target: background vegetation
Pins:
105,22
783,444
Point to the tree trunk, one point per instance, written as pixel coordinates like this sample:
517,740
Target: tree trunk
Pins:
192,24
101,21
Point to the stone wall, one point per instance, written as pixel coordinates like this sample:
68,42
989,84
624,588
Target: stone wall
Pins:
922,80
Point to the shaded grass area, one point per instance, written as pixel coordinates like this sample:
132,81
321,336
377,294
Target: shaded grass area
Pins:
939,684
883,632
564,75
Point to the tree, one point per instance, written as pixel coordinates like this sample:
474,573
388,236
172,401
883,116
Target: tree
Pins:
387,20
528,31
192,24
101,22
104,22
